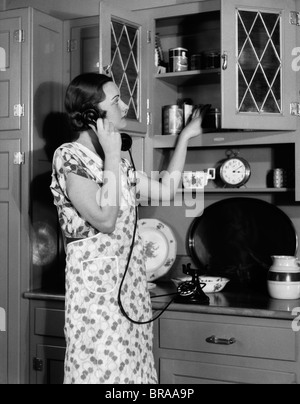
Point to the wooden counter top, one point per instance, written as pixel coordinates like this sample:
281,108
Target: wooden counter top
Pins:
233,303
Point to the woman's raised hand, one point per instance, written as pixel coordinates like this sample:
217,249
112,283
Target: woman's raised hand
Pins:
194,128
109,138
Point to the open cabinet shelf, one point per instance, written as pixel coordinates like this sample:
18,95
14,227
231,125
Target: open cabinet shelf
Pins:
238,191
228,138
191,77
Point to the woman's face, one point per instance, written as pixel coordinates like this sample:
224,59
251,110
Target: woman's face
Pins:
116,109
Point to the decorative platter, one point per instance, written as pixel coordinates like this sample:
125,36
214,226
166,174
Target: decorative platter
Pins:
160,247
235,238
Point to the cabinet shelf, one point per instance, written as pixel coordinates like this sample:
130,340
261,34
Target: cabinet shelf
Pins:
192,76
227,138
239,191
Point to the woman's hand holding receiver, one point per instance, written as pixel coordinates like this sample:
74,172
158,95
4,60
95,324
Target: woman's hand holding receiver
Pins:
109,138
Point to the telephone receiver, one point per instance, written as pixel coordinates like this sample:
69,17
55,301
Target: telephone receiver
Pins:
91,116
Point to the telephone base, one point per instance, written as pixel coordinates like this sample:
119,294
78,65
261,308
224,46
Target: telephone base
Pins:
195,299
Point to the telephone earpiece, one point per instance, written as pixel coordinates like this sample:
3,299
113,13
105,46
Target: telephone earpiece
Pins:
126,142
91,116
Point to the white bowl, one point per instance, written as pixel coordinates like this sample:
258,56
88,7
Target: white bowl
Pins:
284,290
214,284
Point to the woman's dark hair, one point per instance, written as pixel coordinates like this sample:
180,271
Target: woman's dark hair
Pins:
85,92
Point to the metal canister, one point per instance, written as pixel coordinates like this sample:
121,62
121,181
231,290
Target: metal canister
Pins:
212,59
196,62
213,119
178,60
172,119
280,178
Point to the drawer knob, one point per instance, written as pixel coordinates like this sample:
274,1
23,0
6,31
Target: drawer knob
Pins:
220,341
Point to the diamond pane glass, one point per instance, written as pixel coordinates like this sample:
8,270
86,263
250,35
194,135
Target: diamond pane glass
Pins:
259,62
125,65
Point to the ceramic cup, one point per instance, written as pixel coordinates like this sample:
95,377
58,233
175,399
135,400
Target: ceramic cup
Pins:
198,179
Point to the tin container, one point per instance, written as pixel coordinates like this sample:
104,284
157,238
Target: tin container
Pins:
280,178
178,60
196,62
212,119
188,110
212,59
172,120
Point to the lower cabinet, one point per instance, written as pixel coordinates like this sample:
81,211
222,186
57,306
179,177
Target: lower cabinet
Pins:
208,349
189,348
47,342
49,364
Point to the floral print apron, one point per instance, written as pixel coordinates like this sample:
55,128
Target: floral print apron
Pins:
103,346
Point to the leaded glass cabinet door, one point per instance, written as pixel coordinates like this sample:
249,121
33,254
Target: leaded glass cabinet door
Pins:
123,55
258,83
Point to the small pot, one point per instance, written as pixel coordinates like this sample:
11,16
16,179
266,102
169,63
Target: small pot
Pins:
284,278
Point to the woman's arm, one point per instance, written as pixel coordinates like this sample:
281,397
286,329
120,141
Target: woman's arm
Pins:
150,188
100,206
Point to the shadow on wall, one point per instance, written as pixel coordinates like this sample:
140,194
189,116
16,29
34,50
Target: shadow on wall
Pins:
51,130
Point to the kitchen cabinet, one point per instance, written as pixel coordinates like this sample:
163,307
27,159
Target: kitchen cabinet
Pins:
47,345
31,88
192,344
124,55
255,85
81,37
10,262
194,348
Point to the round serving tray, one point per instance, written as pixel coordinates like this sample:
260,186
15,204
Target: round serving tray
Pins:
236,238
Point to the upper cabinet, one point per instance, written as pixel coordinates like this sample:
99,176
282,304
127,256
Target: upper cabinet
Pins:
258,84
11,43
123,54
240,57
82,44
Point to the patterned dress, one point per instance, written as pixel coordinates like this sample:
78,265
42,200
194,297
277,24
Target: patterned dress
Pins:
103,346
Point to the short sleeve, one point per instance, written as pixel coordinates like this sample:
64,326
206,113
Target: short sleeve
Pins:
66,162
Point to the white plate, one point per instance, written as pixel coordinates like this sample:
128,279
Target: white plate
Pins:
160,247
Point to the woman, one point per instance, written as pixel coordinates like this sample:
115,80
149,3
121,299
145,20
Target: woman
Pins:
96,205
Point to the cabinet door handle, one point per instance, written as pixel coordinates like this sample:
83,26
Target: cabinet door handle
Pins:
225,61
220,341
107,70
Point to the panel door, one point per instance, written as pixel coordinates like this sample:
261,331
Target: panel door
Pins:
48,134
258,82
52,359
83,46
10,218
123,54
10,71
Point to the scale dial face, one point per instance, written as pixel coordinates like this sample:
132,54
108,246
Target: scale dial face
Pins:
235,172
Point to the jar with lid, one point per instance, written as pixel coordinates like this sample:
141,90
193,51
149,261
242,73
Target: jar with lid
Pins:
172,120
178,60
212,119
196,61
212,59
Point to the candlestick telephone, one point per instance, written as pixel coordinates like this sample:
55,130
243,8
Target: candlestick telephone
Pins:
191,292
90,117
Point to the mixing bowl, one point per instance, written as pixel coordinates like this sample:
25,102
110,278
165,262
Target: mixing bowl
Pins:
213,284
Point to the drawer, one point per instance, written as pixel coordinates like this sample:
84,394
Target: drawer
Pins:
249,341
185,372
49,322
